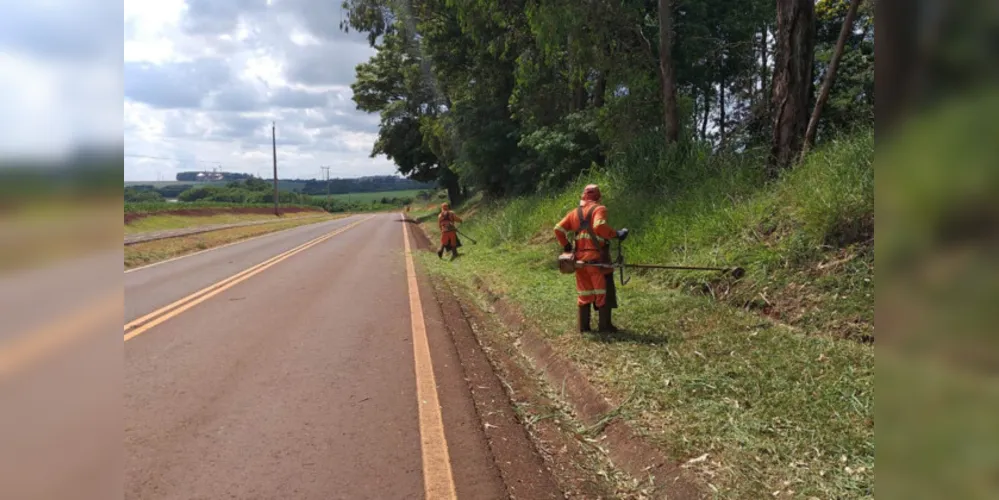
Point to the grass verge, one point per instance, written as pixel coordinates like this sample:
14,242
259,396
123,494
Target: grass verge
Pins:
141,254
752,373
160,222
774,410
151,207
806,240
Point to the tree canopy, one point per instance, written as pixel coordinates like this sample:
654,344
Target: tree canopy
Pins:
517,96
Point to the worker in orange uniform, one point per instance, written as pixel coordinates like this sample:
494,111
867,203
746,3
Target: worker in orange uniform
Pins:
449,232
594,285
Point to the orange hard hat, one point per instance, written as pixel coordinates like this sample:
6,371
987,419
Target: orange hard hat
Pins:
591,193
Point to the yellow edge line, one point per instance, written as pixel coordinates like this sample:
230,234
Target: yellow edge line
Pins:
438,480
145,323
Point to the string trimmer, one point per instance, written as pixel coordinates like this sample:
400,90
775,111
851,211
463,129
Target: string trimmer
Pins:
467,237
568,264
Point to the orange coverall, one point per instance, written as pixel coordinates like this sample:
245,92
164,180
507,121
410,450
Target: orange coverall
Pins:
449,234
591,282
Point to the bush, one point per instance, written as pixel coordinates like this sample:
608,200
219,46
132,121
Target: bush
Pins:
137,194
250,191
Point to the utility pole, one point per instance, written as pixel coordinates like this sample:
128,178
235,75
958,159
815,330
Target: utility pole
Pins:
277,211
326,170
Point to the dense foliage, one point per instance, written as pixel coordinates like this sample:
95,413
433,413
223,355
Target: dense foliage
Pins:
141,194
522,96
370,184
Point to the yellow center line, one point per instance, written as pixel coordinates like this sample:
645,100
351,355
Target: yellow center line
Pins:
28,348
143,324
438,480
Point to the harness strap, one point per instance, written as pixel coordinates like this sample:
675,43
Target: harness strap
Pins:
585,225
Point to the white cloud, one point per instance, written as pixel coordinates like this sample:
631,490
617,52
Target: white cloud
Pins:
48,109
203,79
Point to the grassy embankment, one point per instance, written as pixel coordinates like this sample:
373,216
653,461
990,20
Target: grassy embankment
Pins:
140,254
772,376
167,220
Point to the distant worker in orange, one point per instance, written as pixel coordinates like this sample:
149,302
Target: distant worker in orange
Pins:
592,233
449,232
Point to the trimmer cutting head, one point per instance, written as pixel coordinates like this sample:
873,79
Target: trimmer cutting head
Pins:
737,272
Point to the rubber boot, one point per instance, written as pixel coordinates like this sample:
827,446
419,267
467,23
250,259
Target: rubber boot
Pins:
454,254
584,318
440,252
604,320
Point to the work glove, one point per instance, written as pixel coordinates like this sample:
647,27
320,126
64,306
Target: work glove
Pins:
622,234
567,248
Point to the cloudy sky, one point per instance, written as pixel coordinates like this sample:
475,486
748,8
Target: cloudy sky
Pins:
203,79
61,76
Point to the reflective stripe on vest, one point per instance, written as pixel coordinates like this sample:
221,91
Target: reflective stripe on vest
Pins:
586,236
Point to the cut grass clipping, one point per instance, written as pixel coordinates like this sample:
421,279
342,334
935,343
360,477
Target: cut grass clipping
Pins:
141,254
776,411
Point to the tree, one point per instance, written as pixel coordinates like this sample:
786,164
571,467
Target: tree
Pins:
513,97
792,81
813,122
671,121
391,85
138,194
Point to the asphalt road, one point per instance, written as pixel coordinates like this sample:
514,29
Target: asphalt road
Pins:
298,379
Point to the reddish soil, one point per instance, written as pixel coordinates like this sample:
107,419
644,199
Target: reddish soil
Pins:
205,212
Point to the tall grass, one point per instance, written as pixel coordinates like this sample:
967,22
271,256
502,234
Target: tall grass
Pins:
774,408
689,207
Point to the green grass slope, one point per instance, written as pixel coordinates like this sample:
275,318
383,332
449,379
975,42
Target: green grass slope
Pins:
770,376
806,241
